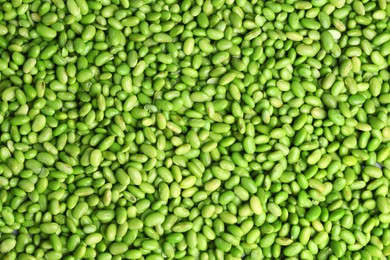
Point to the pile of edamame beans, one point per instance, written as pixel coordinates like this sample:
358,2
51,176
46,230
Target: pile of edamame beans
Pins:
194,129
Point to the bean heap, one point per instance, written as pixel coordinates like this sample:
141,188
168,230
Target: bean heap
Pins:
194,129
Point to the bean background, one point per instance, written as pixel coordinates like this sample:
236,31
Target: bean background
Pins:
194,129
